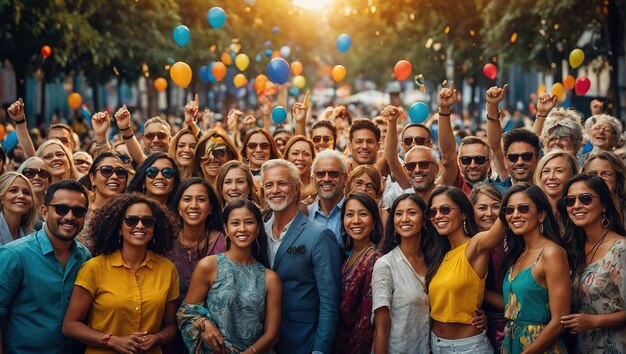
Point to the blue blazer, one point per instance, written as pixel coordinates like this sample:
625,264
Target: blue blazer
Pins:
309,265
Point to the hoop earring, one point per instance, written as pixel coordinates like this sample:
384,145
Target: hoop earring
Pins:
465,226
541,227
605,221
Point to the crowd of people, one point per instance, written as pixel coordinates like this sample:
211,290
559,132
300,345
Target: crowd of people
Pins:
328,234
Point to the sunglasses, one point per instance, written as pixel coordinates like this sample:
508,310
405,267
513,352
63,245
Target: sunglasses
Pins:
146,221
332,174
31,172
527,157
318,139
410,166
253,146
418,140
160,135
522,208
81,162
467,160
584,198
62,210
107,171
124,158
152,172
444,210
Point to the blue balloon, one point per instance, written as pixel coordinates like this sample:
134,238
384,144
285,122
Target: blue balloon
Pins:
294,91
181,35
278,71
10,141
344,42
418,113
268,53
276,30
258,57
202,73
216,17
279,115
209,73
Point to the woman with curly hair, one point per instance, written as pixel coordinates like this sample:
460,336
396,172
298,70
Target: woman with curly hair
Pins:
214,149
235,181
258,147
125,297
158,177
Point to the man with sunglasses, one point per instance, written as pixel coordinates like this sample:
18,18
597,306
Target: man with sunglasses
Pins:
38,275
324,135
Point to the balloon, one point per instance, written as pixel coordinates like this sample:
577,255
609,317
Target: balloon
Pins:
267,43
558,90
258,57
240,80
226,59
569,82
242,61
490,71
180,73
160,84
181,35
418,113
294,91
541,89
218,70
74,100
402,70
285,51
202,73
10,141
216,17
576,57
260,81
299,81
2,132
268,53
276,30
296,67
338,73
279,114
276,54
582,85
278,71
344,42
46,51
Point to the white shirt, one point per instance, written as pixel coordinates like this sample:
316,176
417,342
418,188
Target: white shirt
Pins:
396,285
272,243
392,192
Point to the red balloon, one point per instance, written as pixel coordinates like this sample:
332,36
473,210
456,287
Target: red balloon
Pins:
582,85
402,70
46,51
490,71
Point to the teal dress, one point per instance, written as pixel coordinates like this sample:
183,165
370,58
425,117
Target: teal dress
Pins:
527,311
235,303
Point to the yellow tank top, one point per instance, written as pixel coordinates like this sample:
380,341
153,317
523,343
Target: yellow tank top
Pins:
456,291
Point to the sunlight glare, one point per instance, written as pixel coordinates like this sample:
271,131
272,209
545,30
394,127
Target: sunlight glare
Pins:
311,4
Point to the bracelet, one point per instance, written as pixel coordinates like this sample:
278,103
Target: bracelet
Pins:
20,121
201,324
253,349
160,337
541,116
127,137
125,129
444,114
496,119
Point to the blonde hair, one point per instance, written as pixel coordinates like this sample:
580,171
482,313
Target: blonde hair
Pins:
185,172
570,160
72,172
6,180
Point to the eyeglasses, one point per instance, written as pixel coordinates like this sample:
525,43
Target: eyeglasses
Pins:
418,140
361,184
444,210
253,146
410,166
605,130
522,208
31,172
107,171
59,154
160,135
146,221
332,174
584,199
526,156
152,172
562,139
319,138
81,162
124,158
62,210
603,174
467,160
281,141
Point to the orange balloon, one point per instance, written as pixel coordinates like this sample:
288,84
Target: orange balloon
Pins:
260,81
296,68
218,71
558,90
402,70
270,89
74,100
226,59
276,54
240,80
338,73
569,82
160,84
180,73
46,51
2,132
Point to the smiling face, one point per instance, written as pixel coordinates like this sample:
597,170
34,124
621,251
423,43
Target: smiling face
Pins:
300,154
486,210
242,229
581,214
57,160
258,150
327,186
358,221
213,160
322,138
519,169
281,140
139,235
185,150
40,184
474,171
159,185
235,185
408,219
364,147
411,134
604,170
194,205
554,175
525,218
82,162
448,218
279,189
156,137
18,199
64,136
422,178
112,185
364,183
602,135
64,227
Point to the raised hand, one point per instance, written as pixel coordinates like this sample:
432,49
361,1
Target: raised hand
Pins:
545,103
101,123
266,108
596,107
122,117
191,111
446,98
496,94
16,110
232,119
392,113
298,111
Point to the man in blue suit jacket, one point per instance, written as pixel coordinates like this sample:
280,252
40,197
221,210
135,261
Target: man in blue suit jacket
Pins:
306,256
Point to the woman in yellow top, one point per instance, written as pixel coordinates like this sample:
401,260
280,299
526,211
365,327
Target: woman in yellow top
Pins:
457,268
128,291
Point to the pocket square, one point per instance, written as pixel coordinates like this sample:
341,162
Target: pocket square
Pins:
293,250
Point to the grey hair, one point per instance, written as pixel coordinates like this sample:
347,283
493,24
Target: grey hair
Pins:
562,122
293,170
157,119
330,154
612,121
432,152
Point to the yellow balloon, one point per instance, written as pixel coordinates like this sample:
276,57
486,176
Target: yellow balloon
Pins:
160,84
259,83
226,59
74,100
576,57
541,89
242,61
180,73
240,80
338,73
299,81
558,90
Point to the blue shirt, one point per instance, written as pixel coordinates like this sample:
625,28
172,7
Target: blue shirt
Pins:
34,293
501,186
332,221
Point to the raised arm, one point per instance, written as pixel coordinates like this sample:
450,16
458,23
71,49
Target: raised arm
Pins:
494,128
17,113
191,116
299,113
446,141
122,116
391,147
266,109
545,103
101,122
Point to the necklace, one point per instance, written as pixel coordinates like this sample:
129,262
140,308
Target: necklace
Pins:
195,245
596,247
519,260
351,261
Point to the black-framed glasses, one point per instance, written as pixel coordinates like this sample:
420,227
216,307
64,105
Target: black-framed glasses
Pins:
107,171
146,221
418,140
522,208
151,135
526,156
31,172
583,198
423,165
253,146
62,210
467,160
444,210
332,174
152,172
319,138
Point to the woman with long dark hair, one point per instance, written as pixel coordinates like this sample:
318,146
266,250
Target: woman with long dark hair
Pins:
362,230
536,285
595,233
157,176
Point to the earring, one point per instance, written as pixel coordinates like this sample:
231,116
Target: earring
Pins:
465,226
395,237
541,227
605,221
